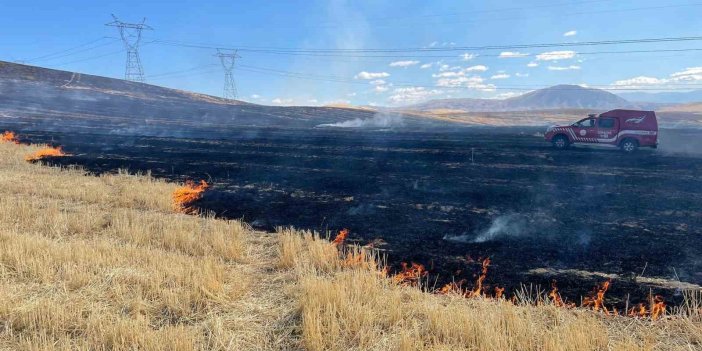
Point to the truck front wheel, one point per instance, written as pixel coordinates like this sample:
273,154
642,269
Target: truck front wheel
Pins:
560,142
629,145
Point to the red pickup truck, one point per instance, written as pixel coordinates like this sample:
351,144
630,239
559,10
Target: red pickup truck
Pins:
627,129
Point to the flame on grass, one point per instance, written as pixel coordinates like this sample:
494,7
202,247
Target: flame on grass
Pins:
411,274
456,288
655,310
44,153
185,196
556,299
341,237
9,137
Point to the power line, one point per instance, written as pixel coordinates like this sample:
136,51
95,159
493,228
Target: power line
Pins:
63,51
228,59
89,58
179,72
131,37
346,52
339,79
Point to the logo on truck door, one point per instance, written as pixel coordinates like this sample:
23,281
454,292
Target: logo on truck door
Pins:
582,132
636,120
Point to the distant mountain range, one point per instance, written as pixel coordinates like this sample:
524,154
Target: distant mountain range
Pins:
563,97
555,97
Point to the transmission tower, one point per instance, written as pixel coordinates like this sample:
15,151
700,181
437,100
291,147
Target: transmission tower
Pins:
131,37
228,58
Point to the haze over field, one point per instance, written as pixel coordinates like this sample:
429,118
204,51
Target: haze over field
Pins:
37,97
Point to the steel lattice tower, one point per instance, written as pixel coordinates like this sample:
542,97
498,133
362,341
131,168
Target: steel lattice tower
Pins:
131,37
228,59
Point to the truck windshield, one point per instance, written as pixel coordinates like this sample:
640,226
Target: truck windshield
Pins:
586,123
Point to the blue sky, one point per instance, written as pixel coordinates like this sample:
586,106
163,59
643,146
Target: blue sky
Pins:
33,29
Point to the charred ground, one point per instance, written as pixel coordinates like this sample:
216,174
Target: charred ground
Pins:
574,216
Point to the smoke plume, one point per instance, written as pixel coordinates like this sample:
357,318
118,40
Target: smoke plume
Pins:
379,120
512,225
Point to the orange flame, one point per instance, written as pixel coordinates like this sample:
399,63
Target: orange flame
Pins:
555,296
499,292
341,237
477,290
596,298
410,274
658,308
638,311
184,196
452,288
43,153
9,137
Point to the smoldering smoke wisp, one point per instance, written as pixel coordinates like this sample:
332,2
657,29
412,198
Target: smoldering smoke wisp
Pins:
512,225
379,120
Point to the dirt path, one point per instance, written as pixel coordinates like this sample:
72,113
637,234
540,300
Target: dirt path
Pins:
268,304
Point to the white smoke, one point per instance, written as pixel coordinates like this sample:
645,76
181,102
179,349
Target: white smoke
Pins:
508,226
379,120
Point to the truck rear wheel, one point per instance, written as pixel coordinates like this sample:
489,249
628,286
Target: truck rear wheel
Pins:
629,145
560,142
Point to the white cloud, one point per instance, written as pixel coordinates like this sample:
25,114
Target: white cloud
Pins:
313,101
563,68
426,65
521,74
555,55
479,68
532,64
500,76
380,86
473,82
638,81
351,94
371,75
507,95
403,63
281,101
412,95
570,33
467,57
511,54
447,72
689,74
255,96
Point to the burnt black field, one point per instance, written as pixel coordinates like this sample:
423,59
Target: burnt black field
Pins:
447,199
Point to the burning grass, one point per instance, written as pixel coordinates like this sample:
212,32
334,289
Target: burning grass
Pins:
360,307
49,151
9,137
104,263
185,196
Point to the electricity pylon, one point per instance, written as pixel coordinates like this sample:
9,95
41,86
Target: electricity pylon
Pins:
131,37
228,58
